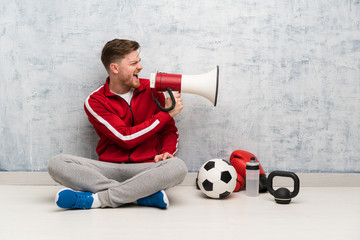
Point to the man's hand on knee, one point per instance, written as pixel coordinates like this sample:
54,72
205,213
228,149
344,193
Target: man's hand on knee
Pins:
163,156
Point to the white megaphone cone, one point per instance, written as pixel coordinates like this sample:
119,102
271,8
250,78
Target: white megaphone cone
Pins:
205,85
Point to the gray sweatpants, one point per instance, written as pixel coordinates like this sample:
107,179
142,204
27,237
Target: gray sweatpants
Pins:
116,184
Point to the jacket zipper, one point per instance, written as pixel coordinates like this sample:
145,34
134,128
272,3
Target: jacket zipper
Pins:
132,124
132,114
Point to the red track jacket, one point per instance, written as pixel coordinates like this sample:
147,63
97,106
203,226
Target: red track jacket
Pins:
134,133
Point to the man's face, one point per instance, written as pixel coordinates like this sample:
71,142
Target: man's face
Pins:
129,67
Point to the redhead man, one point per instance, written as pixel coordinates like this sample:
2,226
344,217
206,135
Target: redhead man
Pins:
137,143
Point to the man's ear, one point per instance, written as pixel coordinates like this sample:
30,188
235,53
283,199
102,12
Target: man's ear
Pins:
114,67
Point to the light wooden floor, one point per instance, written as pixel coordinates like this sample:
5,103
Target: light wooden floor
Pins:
29,212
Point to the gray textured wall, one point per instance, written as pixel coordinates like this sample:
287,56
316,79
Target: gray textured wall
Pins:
289,77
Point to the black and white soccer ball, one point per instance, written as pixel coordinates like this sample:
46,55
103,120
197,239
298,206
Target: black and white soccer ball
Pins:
217,178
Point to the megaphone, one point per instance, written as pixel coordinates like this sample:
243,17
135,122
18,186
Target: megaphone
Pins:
205,85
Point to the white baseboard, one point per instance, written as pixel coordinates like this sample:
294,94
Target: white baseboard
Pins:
306,179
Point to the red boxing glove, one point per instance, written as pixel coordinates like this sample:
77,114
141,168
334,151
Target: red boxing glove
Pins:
239,159
240,183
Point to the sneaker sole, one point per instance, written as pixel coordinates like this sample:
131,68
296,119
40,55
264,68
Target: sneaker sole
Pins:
165,198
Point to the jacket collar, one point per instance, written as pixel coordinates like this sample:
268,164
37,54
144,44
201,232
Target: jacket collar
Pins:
108,93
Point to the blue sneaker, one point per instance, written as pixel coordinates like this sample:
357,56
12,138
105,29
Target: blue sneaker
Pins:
158,199
70,199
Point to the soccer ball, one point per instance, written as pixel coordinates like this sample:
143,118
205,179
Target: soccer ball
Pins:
217,178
